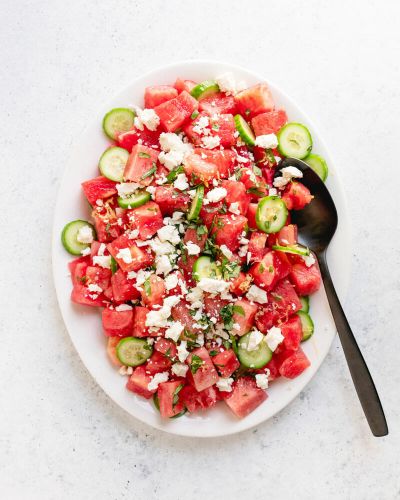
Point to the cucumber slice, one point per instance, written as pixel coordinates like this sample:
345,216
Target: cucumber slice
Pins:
197,203
305,304
253,359
271,214
307,325
245,132
69,236
204,89
318,164
118,120
112,163
294,140
205,267
134,200
132,351
295,249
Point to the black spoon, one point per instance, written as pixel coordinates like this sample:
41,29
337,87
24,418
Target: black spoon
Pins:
317,224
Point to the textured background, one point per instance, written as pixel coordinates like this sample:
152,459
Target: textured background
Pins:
60,436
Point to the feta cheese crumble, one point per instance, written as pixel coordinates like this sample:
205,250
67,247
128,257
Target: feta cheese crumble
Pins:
227,83
262,380
157,379
211,141
173,151
183,353
179,369
181,182
86,251
216,194
102,261
274,337
171,281
192,248
267,141
212,285
125,255
94,287
123,307
147,118
225,384
234,208
288,173
309,260
169,233
163,265
225,250
174,331
255,338
85,235
256,294
125,189
159,318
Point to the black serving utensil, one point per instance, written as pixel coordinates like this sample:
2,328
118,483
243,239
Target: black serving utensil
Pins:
317,224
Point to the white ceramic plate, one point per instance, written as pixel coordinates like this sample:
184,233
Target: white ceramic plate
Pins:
84,323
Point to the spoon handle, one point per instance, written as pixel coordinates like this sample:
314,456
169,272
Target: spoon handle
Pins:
362,379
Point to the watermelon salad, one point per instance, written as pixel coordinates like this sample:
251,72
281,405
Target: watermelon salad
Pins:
189,252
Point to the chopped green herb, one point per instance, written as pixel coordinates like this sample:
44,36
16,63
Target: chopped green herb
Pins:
215,126
200,230
143,155
147,287
175,398
257,170
271,269
149,172
174,173
213,353
270,156
247,112
238,310
238,174
255,190
114,265
195,363
230,269
194,115
261,268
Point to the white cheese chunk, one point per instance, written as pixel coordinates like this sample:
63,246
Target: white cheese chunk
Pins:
85,235
262,380
174,331
267,141
216,194
157,379
125,255
225,384
274,337
257,294
179,369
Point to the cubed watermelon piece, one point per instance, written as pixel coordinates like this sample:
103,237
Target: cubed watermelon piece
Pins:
139,322
147,219
171,200
228,230
296,196
117,323
174,113
202,372
139,257
273,267
141,165
139,381
154,292
123,288
112,343
184,85
254,100
270,122
245,397
157,94
218,103
236,193
294,365
244,315
195,400
226,363
166,396
256,248
293,333
99,188
306,280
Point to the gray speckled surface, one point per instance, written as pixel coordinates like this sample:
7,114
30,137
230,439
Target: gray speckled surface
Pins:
60,436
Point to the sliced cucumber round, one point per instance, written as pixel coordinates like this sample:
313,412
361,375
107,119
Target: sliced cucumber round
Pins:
134,200
133,352
112,163
257,358
295,249
205,267
197,203
118,120
305,304
69,236
318,164
271,214
244,129
204,89
294,140
307,325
